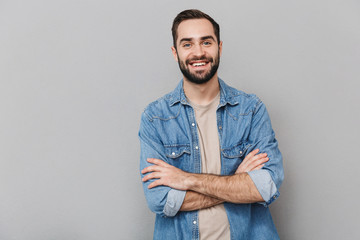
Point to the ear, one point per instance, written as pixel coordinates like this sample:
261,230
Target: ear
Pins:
220,48
174,53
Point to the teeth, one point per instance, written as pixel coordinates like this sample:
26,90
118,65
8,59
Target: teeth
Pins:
198,64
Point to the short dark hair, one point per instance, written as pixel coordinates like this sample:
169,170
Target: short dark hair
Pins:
193,14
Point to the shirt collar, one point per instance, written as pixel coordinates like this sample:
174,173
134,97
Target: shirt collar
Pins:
226,96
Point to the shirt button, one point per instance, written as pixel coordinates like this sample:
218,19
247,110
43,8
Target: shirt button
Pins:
194,222
220,127
173,153
196,147
240,152
193,124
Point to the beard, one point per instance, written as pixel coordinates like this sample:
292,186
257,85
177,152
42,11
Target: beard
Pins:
199,76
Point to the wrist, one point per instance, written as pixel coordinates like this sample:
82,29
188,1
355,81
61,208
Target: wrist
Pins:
190,181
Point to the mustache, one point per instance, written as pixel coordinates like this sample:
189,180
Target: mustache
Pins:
208,59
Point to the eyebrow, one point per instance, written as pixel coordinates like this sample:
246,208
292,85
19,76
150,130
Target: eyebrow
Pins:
202,39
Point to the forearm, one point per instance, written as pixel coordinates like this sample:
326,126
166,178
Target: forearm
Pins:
238,188
195,201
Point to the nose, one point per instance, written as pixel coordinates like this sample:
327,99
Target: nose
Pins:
198,50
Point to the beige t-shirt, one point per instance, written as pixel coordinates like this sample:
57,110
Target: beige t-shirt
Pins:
213,221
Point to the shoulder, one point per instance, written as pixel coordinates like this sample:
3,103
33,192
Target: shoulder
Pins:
163,108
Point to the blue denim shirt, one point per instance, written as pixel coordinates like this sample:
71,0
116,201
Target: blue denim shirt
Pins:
168,132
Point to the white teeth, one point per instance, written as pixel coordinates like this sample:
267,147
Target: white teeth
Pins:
198,64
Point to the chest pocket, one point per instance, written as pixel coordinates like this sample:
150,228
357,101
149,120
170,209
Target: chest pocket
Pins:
233,157
178,155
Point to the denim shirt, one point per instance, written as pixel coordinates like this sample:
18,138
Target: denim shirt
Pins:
168,131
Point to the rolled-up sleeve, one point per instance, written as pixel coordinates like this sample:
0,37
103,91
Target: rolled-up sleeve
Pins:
174,201
161,200
268,179
265,185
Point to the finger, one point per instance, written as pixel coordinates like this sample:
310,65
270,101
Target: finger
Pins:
151,176
251,154
262,160
259,167
251,165
155,184
157,162
250,157
249,160
152,168
257,163
260,155
257,157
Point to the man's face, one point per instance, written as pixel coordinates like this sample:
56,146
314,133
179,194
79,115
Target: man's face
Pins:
198,52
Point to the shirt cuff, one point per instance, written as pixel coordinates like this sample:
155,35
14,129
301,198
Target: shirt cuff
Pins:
265,185
174,201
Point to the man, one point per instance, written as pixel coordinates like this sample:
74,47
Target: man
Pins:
210,163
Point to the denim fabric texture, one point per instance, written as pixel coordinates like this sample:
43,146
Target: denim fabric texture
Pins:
168,132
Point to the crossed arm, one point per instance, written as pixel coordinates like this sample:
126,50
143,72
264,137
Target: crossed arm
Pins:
206,190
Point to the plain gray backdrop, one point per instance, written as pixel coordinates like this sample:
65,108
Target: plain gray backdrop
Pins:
76,75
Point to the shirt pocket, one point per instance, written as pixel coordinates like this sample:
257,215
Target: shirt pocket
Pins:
178,155
233,157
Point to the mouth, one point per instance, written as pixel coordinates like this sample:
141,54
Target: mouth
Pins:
199,64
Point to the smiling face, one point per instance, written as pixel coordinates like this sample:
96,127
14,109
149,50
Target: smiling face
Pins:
197,50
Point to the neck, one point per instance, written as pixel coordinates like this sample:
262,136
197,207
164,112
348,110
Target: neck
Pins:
202,94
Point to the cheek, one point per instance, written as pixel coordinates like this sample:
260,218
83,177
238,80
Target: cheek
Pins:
182,59
215,53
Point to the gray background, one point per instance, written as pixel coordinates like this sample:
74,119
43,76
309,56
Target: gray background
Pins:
76,75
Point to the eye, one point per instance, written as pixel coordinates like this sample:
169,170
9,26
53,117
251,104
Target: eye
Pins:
207,43
187,45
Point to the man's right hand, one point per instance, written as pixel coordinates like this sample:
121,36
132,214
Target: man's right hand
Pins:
252,161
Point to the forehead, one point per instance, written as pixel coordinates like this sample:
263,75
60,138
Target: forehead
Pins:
195,28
